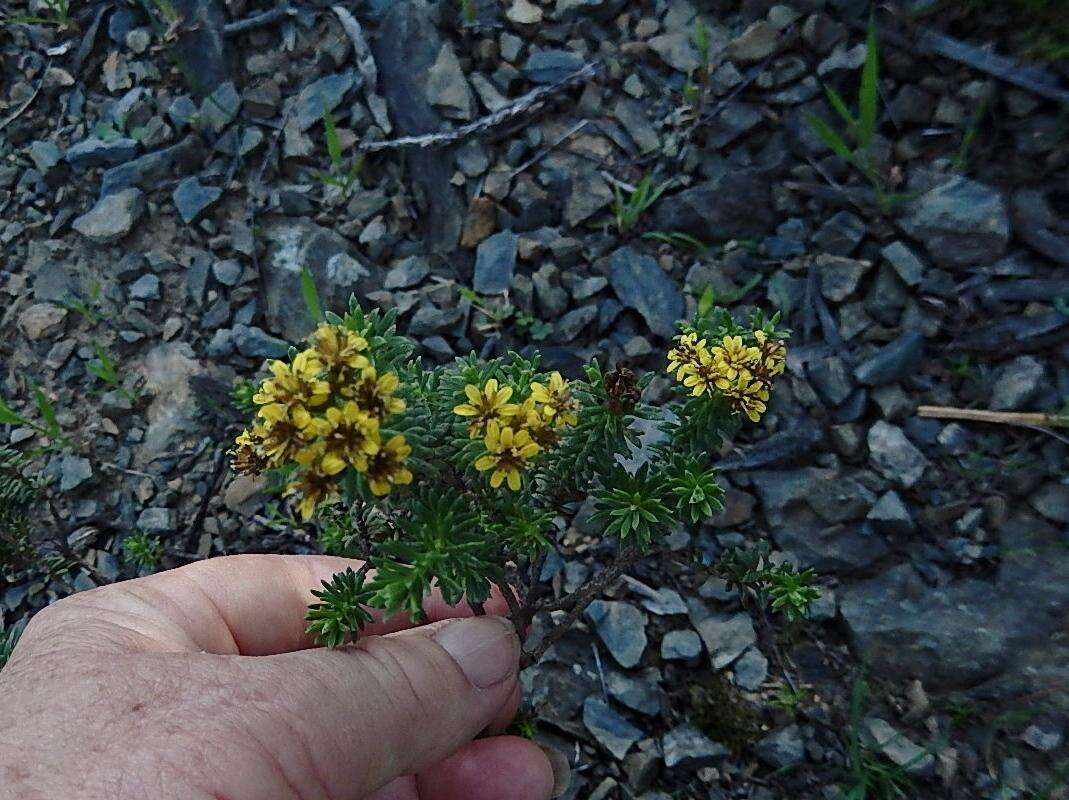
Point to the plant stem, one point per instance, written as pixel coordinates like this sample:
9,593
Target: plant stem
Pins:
997,417
579,600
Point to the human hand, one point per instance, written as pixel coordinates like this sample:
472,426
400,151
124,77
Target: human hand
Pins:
200,684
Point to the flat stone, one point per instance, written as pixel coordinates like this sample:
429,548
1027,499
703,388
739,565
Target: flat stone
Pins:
894,455
447,88
726,636
570,326
407,273
147,287
904,262
611,730
632,115
495,263
840,234
736,204
325,93
893,362
550,66
1018,383
641,284
41,320
112,217
94,152
781,749
677,50
758,41
641,692
751,670
156,520
891,516
73,471
253,342
686,747
221,107
896,746
962,223
681,645
192,198
522,12
1052,501
621,627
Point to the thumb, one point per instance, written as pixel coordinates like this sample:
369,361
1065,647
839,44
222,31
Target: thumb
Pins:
392,705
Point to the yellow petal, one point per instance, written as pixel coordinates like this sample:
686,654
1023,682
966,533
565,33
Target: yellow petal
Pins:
497,478
379,487
484,463
514,480
465,410
331,464
402,477
473,394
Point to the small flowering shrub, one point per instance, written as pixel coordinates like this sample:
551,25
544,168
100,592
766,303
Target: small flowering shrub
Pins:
462,477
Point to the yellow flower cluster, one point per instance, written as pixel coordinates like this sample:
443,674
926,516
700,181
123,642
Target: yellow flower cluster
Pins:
514,433
324,410
739,371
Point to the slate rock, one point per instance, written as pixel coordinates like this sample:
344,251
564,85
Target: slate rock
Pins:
495,263
894,455
758,41
726,636
112,217
781,749
621,627
686,747
192,198
641,284
677,50
893,362
681,645
840,234
292,246
157,521
550,66
840,277
570,326
641,692
904,262
253,342
889,515
200,46
221,107
1052,501
149,170
1039,226
962,223
1018,383
898,748
609,728
447,89
72,472
325,93
736,204
831,379
147,287
407,273
751,670
94,152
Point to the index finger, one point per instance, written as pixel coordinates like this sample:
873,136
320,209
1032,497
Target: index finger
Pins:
249,604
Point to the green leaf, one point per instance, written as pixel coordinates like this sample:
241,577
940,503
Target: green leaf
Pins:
829,137
9,417
333,143
836,101
868,96
706,301
311,296
47,412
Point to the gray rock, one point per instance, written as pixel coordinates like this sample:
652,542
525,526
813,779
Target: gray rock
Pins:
962,223
904,262
734,120
291,246
663,602
831,379
894,455
157,521
737,204
1046,735
681,645
1039,226
881,736
45,155
147,287
254,343
192,198
687,747
1052,501
447,89
641,692
72,472
677,50
893,362
840,277
112,217
228,272
751,670
200,47
221,107
781,749
632,115
406,47
495,263
726,636
758,41
407,273
550,66
575,322
841,234
152,168
430,319
588,194
611,730
641,284
1018,383
621,627
94,152
325,93
889,515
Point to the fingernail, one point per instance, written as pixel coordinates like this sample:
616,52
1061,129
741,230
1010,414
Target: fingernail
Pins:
562,770
485,648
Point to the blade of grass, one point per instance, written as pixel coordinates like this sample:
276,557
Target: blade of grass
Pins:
836,101
333,143
47,411
9,417
829,137
311,296
868,94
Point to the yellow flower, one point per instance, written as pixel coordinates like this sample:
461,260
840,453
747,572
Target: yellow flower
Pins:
685,356
386,468
556,399
279,439
340,350
246,458
294,387
508,452
702,375
771,356
537,423
374,393
316,483
734,356
748,396
490,404
352,434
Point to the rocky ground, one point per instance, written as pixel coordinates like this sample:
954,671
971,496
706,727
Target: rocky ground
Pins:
162,182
